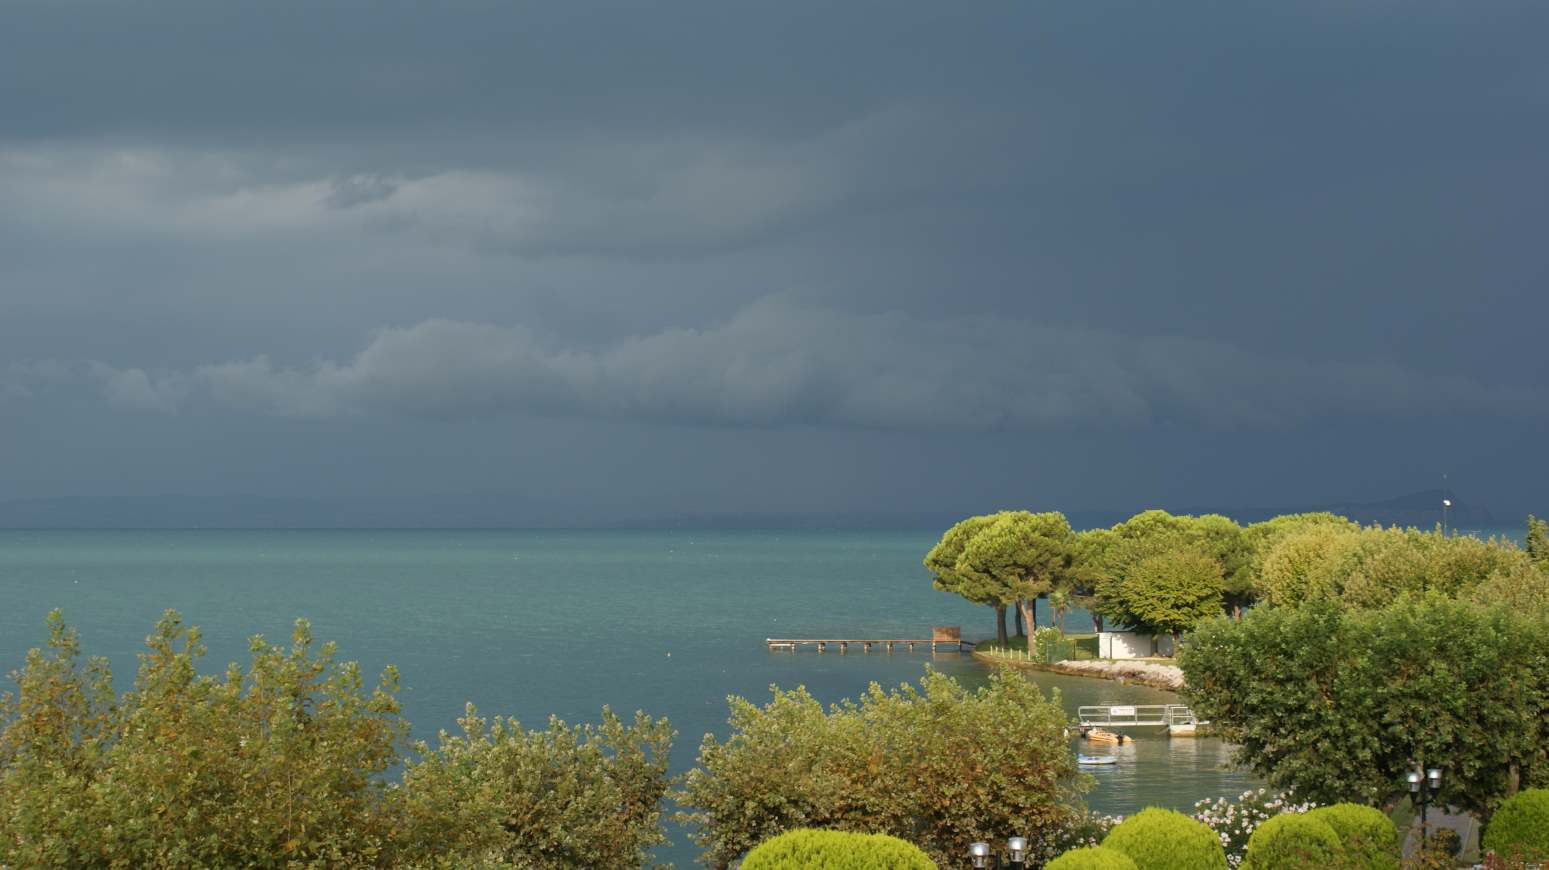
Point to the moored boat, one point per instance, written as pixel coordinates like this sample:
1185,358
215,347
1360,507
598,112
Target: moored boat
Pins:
1098,735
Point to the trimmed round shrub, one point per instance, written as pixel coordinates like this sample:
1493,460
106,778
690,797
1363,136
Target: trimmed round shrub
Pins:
1092,858
1158,839
1520,828
835,850
1369,838
1293,841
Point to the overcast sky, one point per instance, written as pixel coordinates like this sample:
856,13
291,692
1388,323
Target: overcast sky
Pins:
790,257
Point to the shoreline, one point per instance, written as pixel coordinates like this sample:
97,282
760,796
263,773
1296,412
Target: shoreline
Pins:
1155,676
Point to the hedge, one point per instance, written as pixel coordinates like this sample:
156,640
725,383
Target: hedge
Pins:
835,850
1293,841
1520,827
1092,858
1369,837
1158,839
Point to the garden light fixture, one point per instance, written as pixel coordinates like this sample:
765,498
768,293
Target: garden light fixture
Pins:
980,853
1018,848
1424,785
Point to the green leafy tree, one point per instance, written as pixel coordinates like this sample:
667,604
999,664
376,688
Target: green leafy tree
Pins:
1019,557
1370,567
1153,533
1337,704
1171,591
943,559
1261,537
277,766
1524,588
1538,541
567,796
283,764
1060,604
939,765
1089,557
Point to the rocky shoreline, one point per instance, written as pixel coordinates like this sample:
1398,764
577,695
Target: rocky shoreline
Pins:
1140,673
1144,673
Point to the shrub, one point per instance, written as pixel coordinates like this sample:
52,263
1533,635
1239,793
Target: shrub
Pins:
1158,839
1293,841
1086,829
1520,828
1092,858
836,850
567,796
1369,838
284,763
1335,704
1235,821
938,765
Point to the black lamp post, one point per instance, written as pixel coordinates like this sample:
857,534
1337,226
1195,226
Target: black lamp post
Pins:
1424,785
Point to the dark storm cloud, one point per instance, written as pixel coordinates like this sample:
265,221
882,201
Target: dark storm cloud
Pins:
1114,217
778,363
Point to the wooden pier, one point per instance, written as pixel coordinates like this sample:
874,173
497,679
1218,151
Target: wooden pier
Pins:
940,634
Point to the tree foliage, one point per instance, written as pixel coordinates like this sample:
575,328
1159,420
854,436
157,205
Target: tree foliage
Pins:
1162,573
567,796
1171,591
1002,559
1369,567
1537,541
1337,704
282,764
938,765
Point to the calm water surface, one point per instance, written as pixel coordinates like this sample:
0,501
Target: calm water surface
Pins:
529,623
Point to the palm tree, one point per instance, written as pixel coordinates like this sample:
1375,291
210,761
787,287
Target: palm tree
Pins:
1059,602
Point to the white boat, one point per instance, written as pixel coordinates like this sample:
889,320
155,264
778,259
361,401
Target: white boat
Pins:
1097,759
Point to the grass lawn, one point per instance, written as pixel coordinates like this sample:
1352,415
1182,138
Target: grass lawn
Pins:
1085,645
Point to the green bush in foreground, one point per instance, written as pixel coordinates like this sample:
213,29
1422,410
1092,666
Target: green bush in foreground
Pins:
1520,828
1158,839
807,849
940,766
283,765
1092,858
1335,704
1293,841
1368,837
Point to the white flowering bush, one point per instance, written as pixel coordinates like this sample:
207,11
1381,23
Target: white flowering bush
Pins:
1087,829
1235,820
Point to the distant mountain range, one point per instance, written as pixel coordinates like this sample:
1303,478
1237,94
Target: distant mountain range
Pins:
1420,509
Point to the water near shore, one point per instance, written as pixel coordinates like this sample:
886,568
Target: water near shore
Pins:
533,623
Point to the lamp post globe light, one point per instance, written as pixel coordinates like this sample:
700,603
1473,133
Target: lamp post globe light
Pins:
979,852
1424,785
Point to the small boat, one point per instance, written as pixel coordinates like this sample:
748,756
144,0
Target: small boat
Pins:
1098,735
1097,759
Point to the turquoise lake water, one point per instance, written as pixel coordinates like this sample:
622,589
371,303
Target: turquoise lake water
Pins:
529,623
